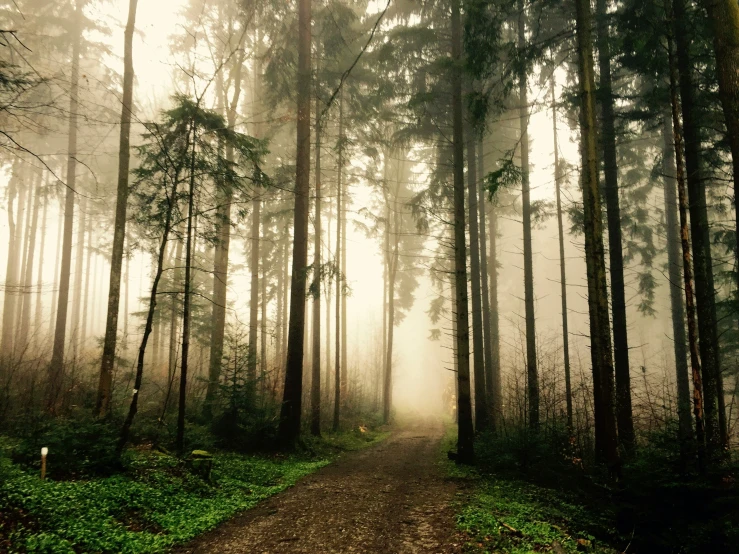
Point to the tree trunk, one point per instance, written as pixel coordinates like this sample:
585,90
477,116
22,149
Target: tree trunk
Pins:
11,270
484,272
606,441
315,398
187,299
285,293
532,374
292,397
79,259
496,386
38,316
56,366
387,396
327,387
344,319
676,299
465,428
57,259
715,416
28,283
174,311
102,406
624,418
24,230
339,281
220,262
693,340
126,289
86,286
724,17
482,419
562,263
251,373
263,320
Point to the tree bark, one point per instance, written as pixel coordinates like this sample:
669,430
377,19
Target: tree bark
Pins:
562,263
387,396
339,281
677,304
482,417
38,316
28,282
187,298
174,311
315,396
724,17
687,273
11,269
79,259
102,405
624,417
24,230
291,405
606,441
86,286
465,428
496,386
56,366
57,260
715,418
484,272
532,373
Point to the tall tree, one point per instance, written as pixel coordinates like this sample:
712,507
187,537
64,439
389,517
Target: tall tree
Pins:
532,374
28,271
624,416
724,17
315,394
291,404
482,417
119,229
715,420
606,441
465,428
485,289
675,131
562,263
677,305
339,282
56,366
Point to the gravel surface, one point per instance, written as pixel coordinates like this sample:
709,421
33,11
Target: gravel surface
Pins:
387,499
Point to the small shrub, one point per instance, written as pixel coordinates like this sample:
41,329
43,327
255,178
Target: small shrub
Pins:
78,446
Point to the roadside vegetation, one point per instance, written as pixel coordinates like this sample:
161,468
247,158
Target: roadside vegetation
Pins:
531,494
149,503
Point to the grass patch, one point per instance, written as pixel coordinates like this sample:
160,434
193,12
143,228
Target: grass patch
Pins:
500,514
155,503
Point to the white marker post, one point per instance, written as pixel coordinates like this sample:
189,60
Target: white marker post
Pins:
44,452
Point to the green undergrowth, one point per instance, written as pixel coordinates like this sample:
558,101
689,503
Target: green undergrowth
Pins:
533,493
154,503
505,515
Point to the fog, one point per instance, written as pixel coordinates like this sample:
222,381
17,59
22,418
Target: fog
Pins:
423,353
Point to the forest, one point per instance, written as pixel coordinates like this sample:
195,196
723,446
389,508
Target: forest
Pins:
380,276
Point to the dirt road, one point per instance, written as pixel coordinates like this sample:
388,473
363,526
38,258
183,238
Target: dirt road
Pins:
388,499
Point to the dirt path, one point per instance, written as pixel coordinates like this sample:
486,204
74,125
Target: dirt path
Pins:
390,498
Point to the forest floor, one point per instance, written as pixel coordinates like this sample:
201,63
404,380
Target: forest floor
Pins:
392,498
